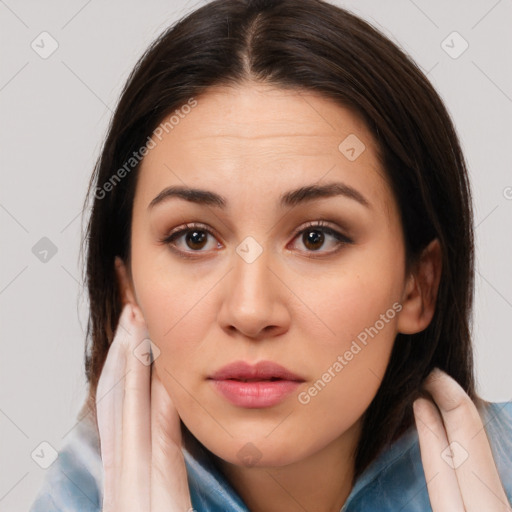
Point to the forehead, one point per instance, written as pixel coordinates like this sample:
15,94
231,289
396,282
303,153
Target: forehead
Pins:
261,137
269,115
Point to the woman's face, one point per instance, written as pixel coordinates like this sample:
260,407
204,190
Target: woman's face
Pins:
255,279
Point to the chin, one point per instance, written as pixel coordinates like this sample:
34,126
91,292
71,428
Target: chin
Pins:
256,452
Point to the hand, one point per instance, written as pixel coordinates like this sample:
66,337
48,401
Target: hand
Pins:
139,430
462,477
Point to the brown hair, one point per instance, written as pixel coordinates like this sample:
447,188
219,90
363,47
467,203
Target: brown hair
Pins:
305,45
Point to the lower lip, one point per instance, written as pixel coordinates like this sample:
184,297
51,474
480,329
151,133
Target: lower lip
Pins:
256,394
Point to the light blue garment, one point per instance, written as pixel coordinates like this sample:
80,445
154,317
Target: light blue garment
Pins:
393,482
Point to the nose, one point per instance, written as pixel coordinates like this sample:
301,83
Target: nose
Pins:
255,299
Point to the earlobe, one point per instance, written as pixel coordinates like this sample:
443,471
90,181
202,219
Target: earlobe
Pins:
420,292
124,282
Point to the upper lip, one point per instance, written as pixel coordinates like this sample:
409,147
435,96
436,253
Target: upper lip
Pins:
262,370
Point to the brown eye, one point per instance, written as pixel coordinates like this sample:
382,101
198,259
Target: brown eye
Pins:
191,239
313,239
317,235
196,239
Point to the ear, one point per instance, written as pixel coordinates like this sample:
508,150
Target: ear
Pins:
420,292
125,283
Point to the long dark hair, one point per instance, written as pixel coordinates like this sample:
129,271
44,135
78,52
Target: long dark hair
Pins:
304,45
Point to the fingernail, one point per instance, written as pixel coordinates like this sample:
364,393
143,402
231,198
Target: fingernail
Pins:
434,375
128,310
137,313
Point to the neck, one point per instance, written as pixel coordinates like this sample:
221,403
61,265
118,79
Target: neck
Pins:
321,482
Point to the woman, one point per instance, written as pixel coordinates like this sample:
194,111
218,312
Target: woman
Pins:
280,273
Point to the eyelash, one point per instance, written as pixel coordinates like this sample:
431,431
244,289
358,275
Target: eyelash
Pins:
341,240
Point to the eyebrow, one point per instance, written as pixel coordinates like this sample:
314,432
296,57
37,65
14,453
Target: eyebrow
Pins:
288,199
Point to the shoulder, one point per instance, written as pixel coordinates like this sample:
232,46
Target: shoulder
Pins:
396,477
74,482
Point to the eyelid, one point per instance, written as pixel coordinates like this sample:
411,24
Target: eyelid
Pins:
324,226
190,226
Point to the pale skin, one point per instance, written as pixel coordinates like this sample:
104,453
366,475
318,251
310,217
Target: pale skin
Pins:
298,304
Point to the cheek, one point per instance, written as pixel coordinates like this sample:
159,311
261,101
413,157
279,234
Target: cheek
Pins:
349,361
172,298
344,303
355,313
351,357
179,314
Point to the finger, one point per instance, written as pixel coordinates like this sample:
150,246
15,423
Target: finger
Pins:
109,404
442,484
476,471
136,428
169,484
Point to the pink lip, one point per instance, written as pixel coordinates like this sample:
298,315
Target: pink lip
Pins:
268,383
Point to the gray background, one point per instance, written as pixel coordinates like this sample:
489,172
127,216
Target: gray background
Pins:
54,115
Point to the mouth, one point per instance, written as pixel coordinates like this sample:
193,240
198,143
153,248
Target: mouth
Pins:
261,371
255,386
272,379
